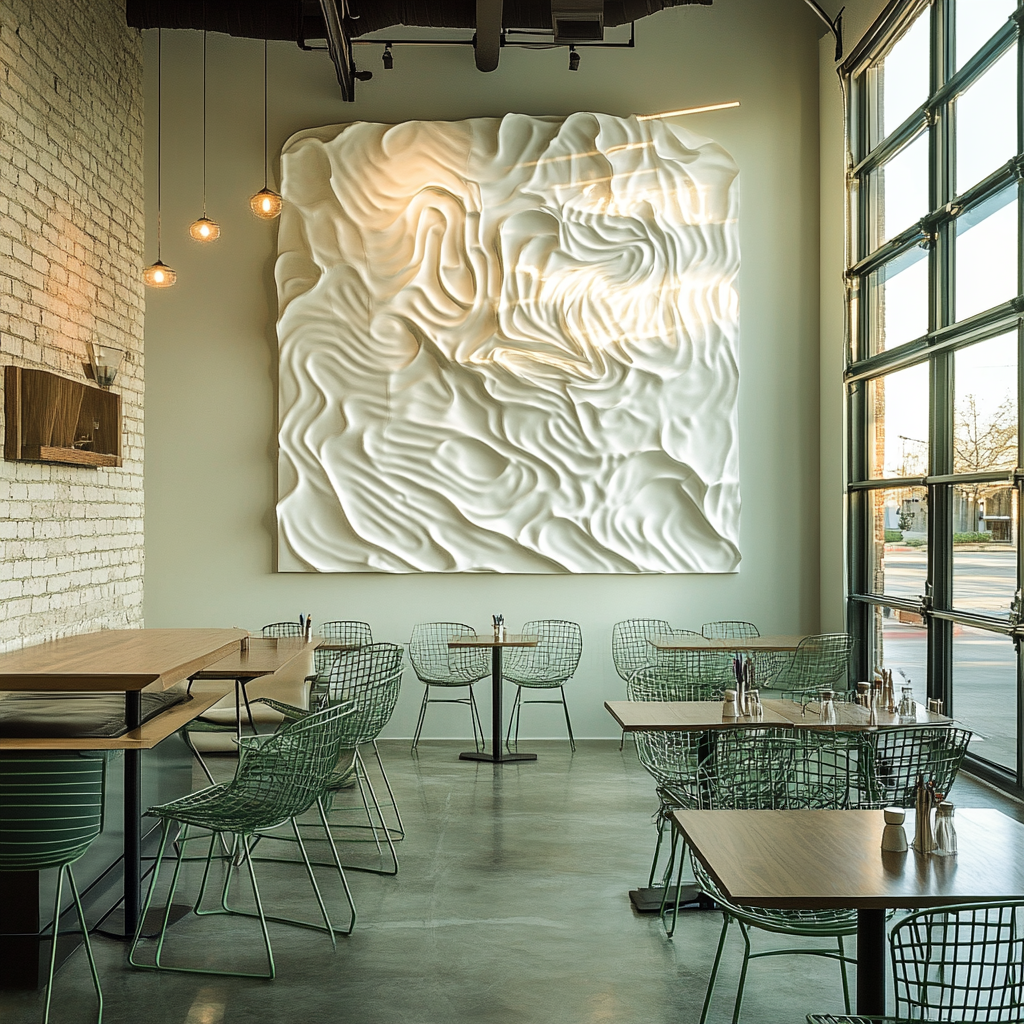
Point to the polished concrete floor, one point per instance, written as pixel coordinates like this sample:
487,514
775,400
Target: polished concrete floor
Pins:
510,906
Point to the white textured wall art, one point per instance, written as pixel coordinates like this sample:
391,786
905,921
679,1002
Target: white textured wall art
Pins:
508,345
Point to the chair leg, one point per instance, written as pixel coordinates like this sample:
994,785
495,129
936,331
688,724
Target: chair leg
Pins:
338,865
88,944
512,718
477,724
568,724
743,973
312,882
714,970
423,711
53,944
391,794
184,733
842,967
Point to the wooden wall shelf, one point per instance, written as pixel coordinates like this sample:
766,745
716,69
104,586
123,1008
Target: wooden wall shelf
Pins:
54,419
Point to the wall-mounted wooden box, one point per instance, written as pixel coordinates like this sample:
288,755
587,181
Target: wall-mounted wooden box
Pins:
53,419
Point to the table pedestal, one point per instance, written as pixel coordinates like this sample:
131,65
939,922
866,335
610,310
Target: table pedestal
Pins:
496,755
871,962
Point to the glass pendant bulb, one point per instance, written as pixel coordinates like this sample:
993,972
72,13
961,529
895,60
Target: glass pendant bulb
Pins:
204,229
266,204
159,275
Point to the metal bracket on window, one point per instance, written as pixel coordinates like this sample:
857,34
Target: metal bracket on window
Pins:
931,117
1016,610
929,240
927,600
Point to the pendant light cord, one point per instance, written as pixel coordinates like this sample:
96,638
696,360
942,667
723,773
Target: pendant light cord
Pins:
159,135
204,112
266,156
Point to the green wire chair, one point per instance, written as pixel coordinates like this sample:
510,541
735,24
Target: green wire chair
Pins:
280,629
819,662
671,758
552,663
51,810
768,663
892,759
957,963
340,631
368,680
437,664
278,778
630,649
768,768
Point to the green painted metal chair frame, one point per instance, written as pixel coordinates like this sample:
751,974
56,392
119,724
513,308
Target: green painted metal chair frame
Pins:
437,664
278,778
51,810
766,769
892,759
552,663
819,662
369,681
828,1018
280,629
630,649
957,963
341,631
767,663
671,758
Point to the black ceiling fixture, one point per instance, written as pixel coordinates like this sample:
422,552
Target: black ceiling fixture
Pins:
335,24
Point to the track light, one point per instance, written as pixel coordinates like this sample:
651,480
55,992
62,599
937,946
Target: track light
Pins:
388,58
574,59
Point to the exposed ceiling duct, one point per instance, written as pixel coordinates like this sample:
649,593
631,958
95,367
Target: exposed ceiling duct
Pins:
312,24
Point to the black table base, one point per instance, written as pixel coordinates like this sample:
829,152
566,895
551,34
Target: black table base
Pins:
648,901
871,962
486,755
495,755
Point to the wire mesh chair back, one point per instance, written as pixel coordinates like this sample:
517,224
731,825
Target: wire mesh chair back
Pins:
370,679
819,661
340,631
553,661
672,759
728,629
51,808
668,682
278,777
892,759
436,663
283,629
630,649
963,963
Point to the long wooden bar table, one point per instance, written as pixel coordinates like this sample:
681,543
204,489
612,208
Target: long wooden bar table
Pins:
817,860
124,661
744,644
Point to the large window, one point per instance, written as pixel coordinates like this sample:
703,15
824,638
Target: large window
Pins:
933,371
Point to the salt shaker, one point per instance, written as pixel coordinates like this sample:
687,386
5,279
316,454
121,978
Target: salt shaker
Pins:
729,708
754,705
827,710
894,836
945,833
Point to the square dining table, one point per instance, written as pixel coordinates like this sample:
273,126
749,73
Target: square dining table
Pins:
496,754
819,860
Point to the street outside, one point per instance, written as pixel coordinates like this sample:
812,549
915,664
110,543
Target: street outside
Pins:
984,665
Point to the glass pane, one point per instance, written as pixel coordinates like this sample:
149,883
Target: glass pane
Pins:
984,548
977,21
985,692
986,254
898,423
898,548
986,122
897,301
985,406
899,643
899,191
900,80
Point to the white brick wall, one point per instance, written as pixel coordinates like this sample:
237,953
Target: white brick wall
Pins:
71,252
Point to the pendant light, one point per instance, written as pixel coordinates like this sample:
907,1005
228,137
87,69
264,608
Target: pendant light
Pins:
204,229
159,275
266,203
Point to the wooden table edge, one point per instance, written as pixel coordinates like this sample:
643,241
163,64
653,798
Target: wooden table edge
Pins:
513,640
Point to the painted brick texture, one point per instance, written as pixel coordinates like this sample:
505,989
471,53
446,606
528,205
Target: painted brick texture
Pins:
72,232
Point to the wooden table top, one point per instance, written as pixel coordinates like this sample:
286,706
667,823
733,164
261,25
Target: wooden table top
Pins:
829,859
264,657
116,659
511,640
850,717
739,644
681,716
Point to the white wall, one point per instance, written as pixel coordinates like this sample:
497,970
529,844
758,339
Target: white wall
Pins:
210,400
